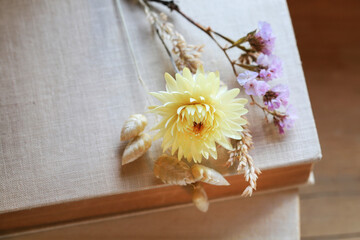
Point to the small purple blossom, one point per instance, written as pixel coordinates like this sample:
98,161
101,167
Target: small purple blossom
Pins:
271,67
277,96
256,88
287,121
273,103
263,40
265,31
283,93
263,60
246,76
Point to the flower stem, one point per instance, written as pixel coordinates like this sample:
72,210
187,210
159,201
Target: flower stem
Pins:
155,25
248,67
167,50
265,109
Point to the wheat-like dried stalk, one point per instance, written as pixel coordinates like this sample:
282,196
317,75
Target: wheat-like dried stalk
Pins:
246,163
187,55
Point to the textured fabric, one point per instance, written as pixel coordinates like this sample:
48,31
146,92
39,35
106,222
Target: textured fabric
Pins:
67,84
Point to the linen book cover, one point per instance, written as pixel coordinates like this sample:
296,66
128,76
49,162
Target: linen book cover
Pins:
68,82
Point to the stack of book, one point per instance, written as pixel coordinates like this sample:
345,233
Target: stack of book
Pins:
68,83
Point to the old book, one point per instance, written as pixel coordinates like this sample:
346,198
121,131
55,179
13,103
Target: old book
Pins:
267,216
68,83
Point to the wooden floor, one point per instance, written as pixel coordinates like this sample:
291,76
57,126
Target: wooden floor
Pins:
328,38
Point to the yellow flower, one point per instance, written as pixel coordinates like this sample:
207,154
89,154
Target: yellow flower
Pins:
197,113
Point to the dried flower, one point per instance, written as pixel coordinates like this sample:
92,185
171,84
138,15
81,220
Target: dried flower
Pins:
197,113
257,58
208,175
263,40
200,198
271,67
133,126
277,96
188,55
172,171
256,88
136,148
287,120
247,58
246,76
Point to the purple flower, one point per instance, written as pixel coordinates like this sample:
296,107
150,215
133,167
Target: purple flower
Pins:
277,96
246,76
286,121
273,103
263,60
271,67
256,88
265,31
283,93
264,40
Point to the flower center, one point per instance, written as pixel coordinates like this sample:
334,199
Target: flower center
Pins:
197,127
195,119
270,95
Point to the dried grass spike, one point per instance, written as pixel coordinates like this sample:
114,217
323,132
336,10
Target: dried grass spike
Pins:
248,191
200,198
245,162
208,175
133,126
172,171
136,148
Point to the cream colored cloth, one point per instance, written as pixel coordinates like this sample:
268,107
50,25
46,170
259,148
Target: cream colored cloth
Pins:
67,84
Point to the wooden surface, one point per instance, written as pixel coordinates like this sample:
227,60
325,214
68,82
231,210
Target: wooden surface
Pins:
263,217
328,40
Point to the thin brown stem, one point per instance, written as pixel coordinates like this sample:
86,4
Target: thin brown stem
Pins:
248,67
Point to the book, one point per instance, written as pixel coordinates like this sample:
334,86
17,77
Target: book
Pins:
68,83
265,216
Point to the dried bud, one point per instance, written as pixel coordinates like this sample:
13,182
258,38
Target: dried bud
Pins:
200,198
133,126
172,171
208,175
136,148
